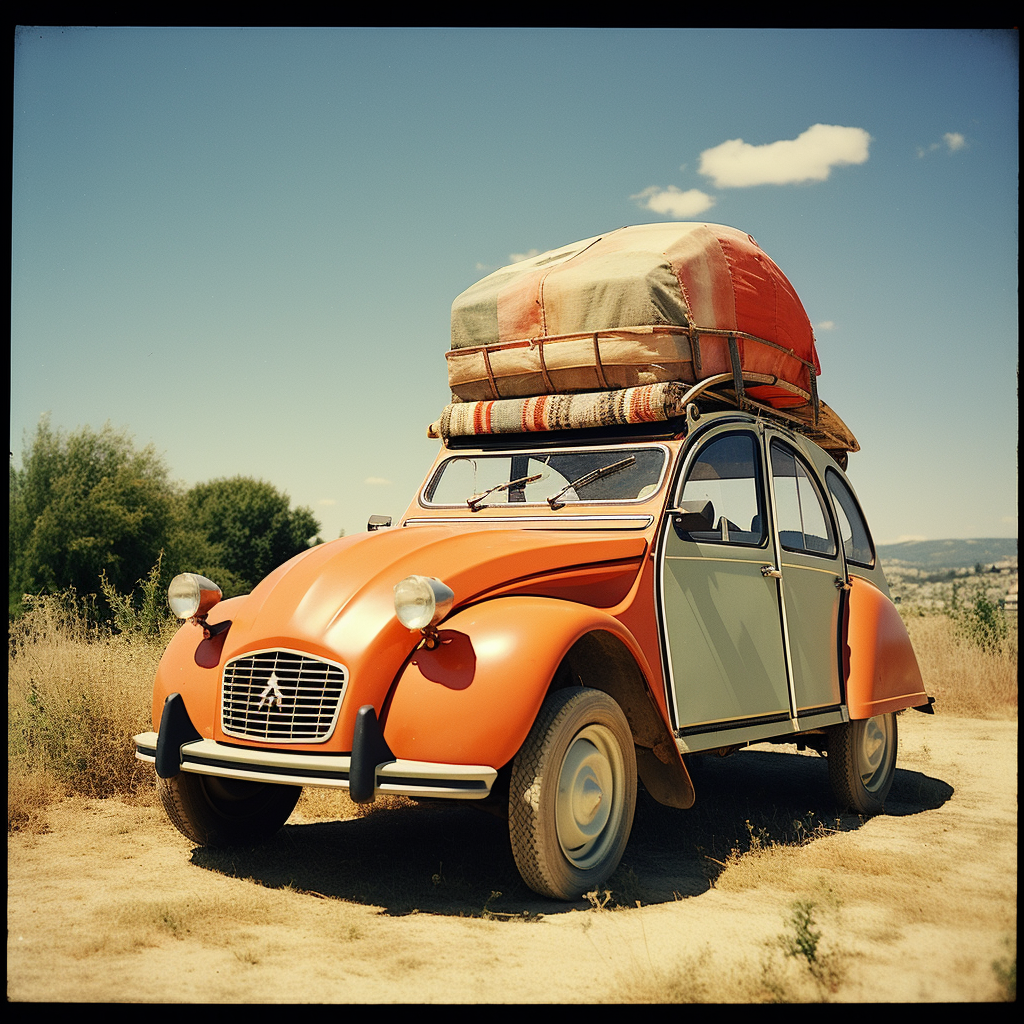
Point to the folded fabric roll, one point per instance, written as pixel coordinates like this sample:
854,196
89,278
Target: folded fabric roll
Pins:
648,403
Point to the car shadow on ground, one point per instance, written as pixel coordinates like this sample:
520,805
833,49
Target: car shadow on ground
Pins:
456,860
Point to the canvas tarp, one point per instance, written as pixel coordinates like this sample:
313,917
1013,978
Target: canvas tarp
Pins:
641,305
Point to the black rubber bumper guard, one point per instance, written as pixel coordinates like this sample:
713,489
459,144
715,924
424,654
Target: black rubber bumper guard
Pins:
369,748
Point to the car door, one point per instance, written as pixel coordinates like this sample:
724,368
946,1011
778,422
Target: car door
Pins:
721,618
813,576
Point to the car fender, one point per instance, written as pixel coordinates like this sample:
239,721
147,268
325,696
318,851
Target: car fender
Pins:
473,698
881,669
190,666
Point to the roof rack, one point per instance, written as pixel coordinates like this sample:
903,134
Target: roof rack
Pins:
808,415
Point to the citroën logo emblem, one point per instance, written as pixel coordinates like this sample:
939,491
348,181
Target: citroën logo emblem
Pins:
271,695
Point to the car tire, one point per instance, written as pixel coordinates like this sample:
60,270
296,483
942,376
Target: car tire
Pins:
862,762
572,794
213,811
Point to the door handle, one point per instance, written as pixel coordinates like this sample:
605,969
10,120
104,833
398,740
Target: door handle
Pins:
770,570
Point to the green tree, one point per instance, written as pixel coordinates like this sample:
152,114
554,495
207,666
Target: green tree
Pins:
249,527
86,503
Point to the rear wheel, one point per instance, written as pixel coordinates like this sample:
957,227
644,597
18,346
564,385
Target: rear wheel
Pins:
213,811
572,794
862,762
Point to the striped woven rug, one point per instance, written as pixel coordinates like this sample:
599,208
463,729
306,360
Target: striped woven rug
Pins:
648,403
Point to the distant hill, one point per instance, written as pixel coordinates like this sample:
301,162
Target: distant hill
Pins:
949,554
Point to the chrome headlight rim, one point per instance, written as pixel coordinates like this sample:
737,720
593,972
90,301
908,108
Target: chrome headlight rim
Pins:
191,596
421,602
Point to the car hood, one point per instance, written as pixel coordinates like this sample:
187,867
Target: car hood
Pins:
338,598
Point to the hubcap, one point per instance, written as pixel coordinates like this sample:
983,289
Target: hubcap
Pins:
875,747
589,801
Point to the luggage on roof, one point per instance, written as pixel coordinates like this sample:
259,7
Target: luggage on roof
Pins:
640,305
614,327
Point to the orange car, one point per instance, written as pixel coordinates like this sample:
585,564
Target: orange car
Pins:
558,617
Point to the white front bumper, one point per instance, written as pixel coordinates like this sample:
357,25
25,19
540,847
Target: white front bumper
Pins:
407,778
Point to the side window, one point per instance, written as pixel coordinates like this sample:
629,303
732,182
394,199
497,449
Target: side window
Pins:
804,523
726,472
852,527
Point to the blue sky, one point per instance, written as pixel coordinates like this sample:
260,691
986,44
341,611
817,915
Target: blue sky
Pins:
242,245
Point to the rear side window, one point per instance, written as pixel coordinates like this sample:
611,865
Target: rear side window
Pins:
854,530
804,523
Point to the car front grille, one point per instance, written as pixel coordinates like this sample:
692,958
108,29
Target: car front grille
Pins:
281,697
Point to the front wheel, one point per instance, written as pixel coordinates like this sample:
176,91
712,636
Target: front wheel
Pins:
862,762
572,794
212,811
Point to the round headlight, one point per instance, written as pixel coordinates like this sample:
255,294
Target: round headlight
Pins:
191,595
422,601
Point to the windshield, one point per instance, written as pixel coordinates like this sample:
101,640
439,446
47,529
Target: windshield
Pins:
549,478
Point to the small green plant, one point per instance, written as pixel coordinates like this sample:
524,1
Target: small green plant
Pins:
1005,970
802,942
803,939
760,839
805,828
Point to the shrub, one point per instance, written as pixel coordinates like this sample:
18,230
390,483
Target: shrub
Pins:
144,616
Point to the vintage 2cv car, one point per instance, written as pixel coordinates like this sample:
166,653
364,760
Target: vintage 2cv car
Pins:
637,544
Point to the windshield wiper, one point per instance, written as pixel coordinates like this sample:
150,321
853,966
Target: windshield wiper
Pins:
589,478
474,503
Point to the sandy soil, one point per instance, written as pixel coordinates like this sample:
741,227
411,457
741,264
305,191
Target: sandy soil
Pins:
423,904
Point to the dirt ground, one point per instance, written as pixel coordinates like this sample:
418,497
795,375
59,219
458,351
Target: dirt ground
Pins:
423,904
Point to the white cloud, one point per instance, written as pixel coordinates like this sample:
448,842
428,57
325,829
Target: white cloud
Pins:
809,157
377,481
825,325
953,141
518,257
674,202
327,501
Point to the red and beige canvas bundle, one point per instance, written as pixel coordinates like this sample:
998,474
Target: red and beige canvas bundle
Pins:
642,305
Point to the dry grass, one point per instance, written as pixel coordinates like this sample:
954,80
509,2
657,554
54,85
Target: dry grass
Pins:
696,978
134,924
76,694
801,964
890,878
336,805
966,680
